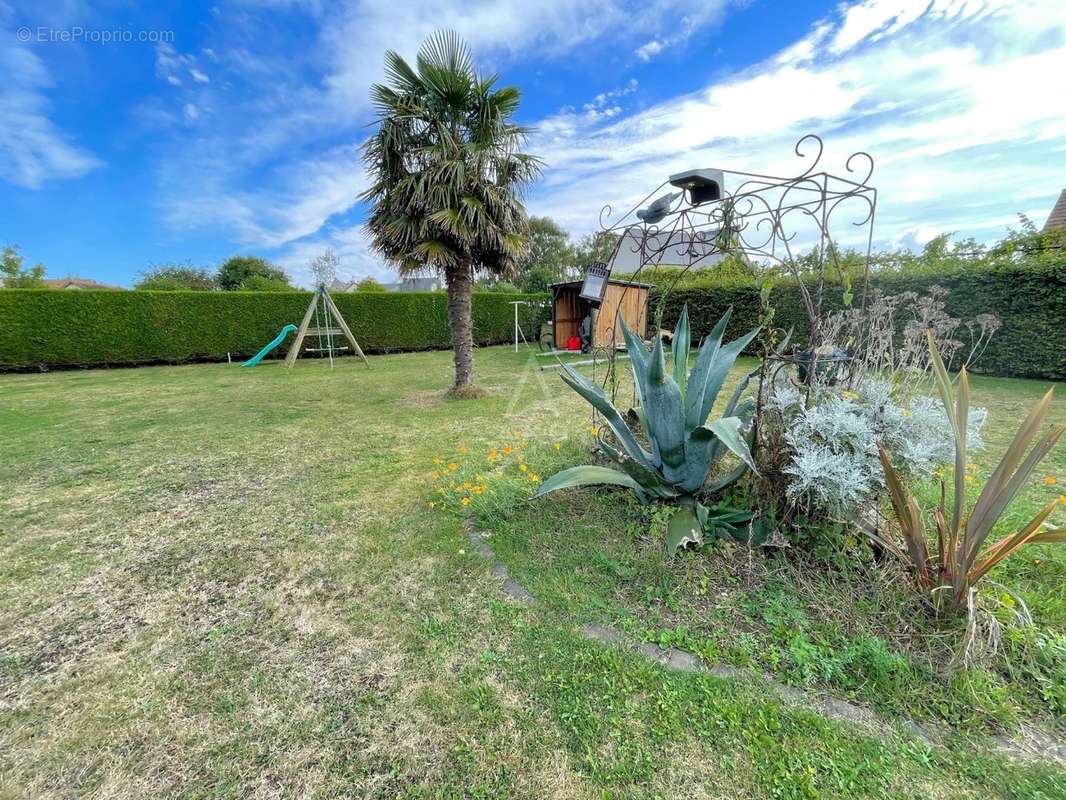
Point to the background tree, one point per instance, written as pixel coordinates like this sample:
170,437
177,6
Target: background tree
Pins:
551,257
176,277
446,172
595,247
251,273
368,284
15,274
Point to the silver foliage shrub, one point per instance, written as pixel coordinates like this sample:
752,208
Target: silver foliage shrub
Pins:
833,467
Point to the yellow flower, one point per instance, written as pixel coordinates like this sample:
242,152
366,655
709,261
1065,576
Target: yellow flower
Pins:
971,466
452,467
467,485
466,501
463,449
906,412
436,475
479,478
534,478
479,489
969,478
437,460
557,445
1050,480
523,467
849,395
431,504
594,430
1062,499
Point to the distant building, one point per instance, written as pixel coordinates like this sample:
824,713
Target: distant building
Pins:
70,282
1057,217
430,284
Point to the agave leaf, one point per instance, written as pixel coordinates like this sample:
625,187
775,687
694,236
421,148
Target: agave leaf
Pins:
727,429
724,360
742,384
680,346
744,412
683,529
587,475
638,360
700,445
650,480
664,414
728,479
697,379
614,420
638,415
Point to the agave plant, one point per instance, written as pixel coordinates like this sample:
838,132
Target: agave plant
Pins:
960,562
673,406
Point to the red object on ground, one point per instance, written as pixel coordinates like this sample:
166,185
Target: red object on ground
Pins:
573,343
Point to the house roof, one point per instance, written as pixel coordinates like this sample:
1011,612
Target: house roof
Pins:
70,282
614,281
1057,217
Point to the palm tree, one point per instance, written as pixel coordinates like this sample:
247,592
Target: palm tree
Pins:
446,174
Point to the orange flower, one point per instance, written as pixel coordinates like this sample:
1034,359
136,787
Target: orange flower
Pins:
507,450
1050,480
452,467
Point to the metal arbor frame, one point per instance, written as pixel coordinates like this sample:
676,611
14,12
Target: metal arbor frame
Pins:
767,218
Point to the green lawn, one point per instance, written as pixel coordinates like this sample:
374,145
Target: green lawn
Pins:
217,582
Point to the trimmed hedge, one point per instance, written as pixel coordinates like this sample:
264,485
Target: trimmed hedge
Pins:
48,328
1030,301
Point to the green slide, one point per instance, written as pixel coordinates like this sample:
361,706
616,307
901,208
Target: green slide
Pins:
251,362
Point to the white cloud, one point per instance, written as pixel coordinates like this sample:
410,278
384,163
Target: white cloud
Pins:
955,104
33,150
648,50
198,76
286,116
956,101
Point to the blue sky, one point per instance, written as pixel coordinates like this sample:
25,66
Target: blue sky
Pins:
204,129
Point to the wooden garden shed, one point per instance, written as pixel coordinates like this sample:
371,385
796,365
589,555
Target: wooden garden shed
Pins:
621,299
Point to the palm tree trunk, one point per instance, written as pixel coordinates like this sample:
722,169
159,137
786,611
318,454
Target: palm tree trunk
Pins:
460,286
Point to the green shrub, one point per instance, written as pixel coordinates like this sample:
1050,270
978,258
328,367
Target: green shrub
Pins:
237,272
43,328
1029,298
176,278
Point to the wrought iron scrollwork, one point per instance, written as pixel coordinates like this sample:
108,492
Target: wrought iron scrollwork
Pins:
768,219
